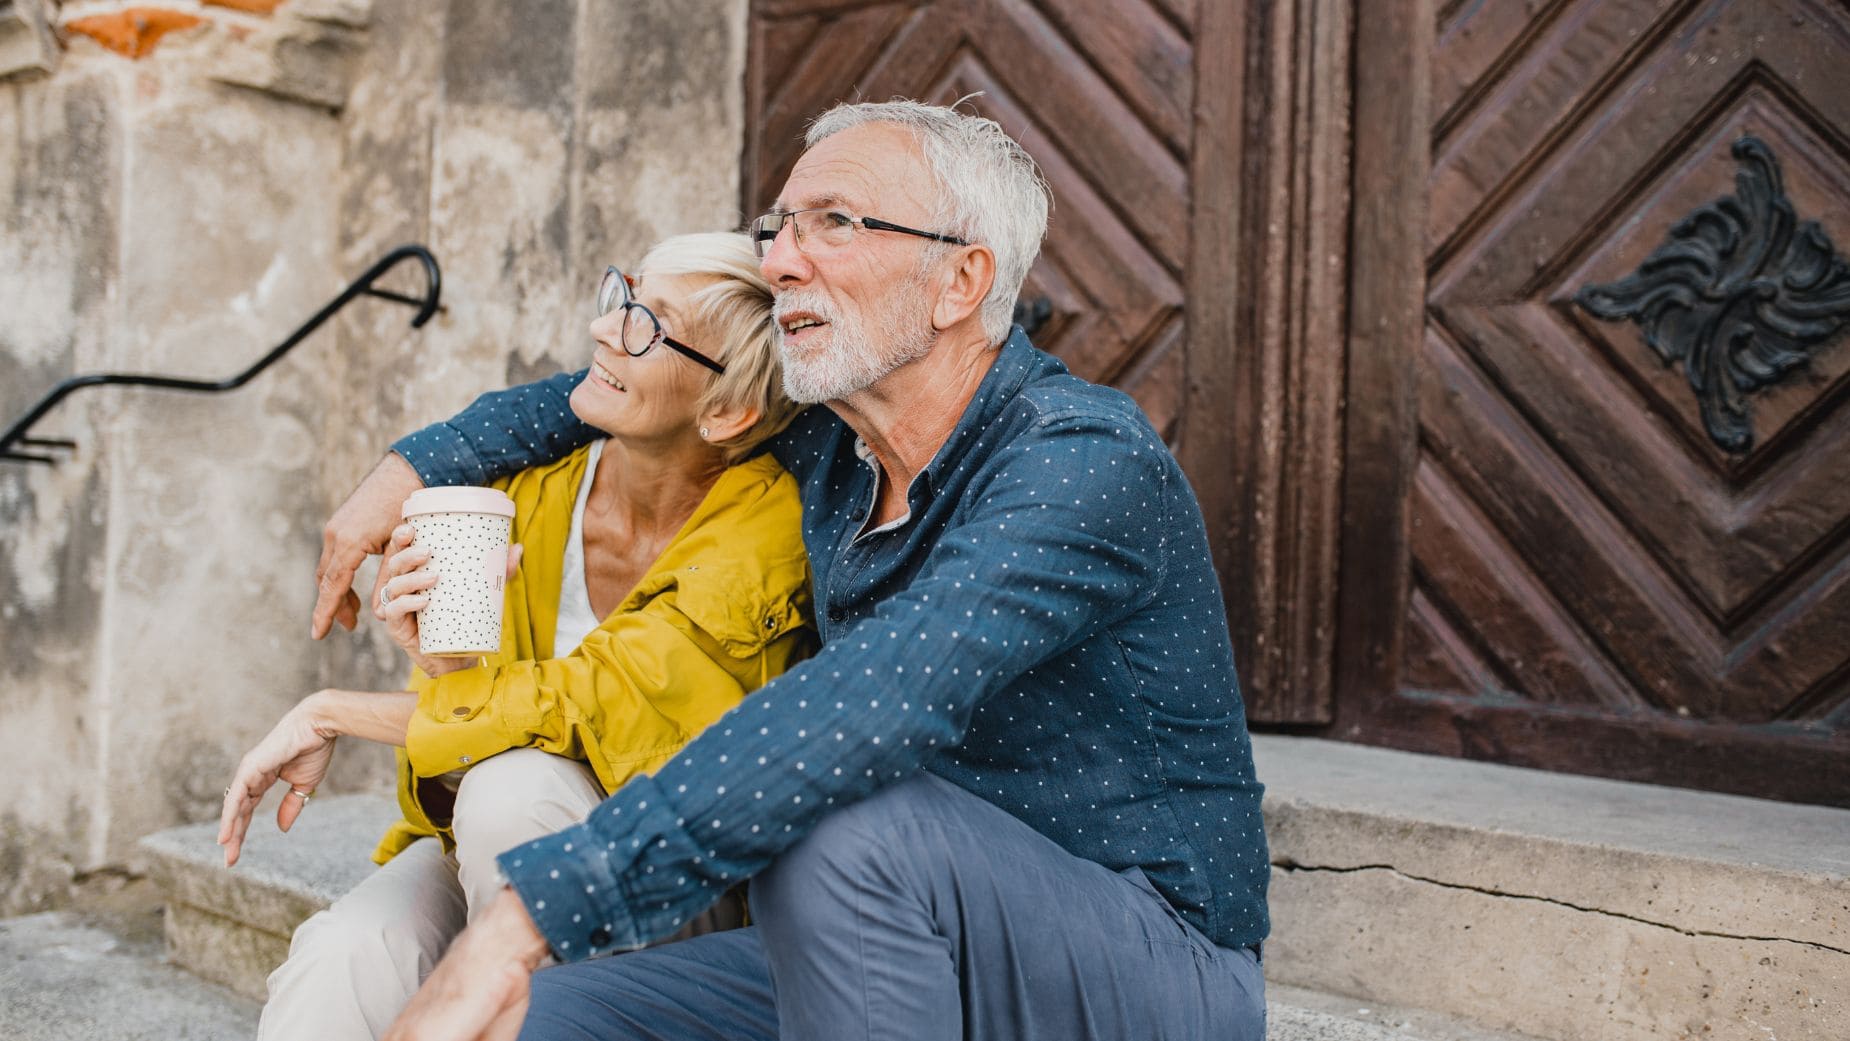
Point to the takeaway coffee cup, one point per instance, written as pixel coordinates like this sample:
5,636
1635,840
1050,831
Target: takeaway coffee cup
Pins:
466,531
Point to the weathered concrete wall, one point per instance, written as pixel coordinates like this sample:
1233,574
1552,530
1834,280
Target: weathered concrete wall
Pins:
176,193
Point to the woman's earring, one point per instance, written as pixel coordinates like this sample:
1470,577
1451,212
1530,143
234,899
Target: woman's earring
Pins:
703,434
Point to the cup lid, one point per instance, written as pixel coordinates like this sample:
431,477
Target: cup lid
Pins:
459,499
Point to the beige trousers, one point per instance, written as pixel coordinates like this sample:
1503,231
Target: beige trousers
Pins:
353,967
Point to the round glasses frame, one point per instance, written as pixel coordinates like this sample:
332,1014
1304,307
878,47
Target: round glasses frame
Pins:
641,329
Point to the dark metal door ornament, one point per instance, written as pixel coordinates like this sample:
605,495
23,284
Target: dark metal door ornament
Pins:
1740,293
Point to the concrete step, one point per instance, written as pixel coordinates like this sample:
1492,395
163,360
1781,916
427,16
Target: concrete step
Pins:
232,925
64,977
1563,907
1296,1014
1507,900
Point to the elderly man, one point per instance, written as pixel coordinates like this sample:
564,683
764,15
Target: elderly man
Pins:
1013,795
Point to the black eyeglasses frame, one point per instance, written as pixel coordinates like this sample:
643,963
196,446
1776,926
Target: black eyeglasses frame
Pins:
628,302
763,236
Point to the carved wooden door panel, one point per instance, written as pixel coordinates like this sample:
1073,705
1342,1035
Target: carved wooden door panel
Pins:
1098,92
1168,186
1598,488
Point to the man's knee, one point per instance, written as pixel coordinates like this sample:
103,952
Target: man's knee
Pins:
884,844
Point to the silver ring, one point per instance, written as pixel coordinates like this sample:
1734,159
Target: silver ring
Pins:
385,595
300,794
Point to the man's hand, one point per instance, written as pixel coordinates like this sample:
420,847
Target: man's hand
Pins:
358,529
480,987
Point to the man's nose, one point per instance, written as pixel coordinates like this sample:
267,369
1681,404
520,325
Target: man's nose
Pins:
784,264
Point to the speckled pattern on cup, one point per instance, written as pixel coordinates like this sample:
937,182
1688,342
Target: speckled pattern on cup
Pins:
468,551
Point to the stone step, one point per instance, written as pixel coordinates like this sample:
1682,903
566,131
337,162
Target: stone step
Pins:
232,925
1563,907
66,978
1509,900
1296,1014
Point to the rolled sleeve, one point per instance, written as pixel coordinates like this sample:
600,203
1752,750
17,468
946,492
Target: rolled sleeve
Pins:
500,433
442,456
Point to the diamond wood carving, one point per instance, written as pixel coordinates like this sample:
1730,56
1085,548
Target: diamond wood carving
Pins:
1197,252
1741,294
1607,410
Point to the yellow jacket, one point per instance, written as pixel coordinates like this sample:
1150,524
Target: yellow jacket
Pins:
723,610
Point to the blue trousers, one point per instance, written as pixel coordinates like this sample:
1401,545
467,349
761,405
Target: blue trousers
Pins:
925,914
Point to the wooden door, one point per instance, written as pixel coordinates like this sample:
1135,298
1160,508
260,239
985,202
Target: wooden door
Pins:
1597,483
1102,104
1197,154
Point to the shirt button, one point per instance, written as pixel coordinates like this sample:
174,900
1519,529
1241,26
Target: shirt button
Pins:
836,614
599,936
459,711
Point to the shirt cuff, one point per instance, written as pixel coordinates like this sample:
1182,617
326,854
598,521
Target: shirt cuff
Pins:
441,456
612,883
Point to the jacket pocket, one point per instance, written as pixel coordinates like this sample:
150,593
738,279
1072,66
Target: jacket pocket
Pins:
737,616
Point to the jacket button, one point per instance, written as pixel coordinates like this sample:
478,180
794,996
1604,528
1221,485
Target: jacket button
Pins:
600,936
459,711
836,614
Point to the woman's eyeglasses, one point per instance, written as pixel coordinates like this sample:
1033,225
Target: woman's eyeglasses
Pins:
641,329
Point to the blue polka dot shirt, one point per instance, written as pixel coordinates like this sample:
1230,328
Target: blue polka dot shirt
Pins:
1044,628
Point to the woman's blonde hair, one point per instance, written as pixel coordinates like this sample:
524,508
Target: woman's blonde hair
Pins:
734,316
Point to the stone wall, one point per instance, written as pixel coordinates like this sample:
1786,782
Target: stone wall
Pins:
181,183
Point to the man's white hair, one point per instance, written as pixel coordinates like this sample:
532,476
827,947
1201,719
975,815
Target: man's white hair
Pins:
990,190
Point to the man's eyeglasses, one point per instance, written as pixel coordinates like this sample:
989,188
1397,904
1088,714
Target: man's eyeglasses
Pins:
829,229
641,329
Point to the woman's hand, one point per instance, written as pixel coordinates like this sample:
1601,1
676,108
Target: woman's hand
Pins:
406,592
296,752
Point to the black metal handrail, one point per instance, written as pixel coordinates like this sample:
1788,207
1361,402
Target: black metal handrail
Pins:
427,305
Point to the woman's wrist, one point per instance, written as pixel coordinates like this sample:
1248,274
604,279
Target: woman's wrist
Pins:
322,710
434,667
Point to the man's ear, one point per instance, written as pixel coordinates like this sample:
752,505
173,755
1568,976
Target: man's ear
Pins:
726,422
966,284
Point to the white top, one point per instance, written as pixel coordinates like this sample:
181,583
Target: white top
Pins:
576,618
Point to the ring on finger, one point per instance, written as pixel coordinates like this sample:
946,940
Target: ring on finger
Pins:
385,595
302,795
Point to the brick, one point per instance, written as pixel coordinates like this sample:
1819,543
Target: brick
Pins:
252,6
134,31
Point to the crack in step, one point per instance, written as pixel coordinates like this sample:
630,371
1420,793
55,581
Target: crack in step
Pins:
1293,867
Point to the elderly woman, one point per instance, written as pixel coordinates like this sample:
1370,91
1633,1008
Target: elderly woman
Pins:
664,578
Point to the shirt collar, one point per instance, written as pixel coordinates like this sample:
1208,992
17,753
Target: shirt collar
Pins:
1017,362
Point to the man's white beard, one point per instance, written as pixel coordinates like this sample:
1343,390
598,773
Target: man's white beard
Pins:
860,348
